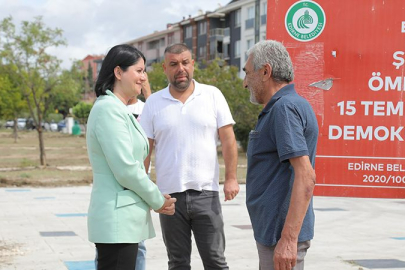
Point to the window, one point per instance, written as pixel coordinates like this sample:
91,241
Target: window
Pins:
189,31
237,49
170,39
202,28
250,22
237,18
226,50
226,32
153,45
249,44
264,8
263,16
213,49
99,66
162,42
202,52
251,12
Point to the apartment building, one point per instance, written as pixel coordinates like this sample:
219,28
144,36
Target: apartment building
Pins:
225,33
254,19
245,24
92,63
153,45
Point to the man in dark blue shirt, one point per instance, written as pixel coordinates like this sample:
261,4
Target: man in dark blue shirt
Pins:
281,157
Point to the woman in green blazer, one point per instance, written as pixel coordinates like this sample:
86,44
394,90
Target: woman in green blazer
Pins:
122,194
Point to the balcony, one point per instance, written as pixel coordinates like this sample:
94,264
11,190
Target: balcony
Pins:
226,32
217,32
249,23
263,19
221,32
216,55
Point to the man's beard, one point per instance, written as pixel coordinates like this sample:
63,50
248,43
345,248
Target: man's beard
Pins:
183,85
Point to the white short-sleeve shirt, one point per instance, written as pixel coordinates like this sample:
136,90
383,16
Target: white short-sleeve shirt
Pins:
136,108
185,137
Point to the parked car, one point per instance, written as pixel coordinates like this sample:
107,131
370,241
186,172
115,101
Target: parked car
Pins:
9,124
31,124
21,122
53,126
61,125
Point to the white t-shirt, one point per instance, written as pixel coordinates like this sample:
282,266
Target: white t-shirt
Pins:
186,137
136,108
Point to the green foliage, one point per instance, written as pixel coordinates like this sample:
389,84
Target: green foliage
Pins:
157,77
55,117
11,100
26,163
67,92
81,111
34,71
226,79
90,76
25,175
30,67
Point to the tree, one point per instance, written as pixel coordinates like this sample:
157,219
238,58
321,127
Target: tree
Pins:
226,79
157,77
90,76
54,117
11,102
67,93
81,111
35,70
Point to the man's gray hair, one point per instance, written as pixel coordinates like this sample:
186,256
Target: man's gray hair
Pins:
274,53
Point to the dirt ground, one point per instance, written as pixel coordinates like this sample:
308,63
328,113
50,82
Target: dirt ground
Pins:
67,161
66,155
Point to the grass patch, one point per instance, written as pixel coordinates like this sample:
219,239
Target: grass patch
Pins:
49,177
25,175
20,166
25,162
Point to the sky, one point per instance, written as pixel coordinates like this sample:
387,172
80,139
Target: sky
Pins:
94,26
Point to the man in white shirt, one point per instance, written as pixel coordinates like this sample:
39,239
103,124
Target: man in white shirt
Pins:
184,122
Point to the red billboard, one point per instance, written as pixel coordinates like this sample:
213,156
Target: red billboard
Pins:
349,61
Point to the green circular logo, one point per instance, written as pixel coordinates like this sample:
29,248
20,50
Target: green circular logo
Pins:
305,20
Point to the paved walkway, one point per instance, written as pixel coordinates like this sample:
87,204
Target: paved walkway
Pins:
45,228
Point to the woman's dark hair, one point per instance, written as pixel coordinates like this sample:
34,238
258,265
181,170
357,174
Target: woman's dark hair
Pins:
123,56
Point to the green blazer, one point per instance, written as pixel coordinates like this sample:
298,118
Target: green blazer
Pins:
122,193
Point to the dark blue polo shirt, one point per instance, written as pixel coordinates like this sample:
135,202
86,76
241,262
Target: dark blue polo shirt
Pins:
286,128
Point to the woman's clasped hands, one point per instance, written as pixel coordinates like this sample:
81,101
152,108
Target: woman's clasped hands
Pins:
168,207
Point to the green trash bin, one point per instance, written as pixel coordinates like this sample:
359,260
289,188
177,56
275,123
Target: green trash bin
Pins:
76,129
